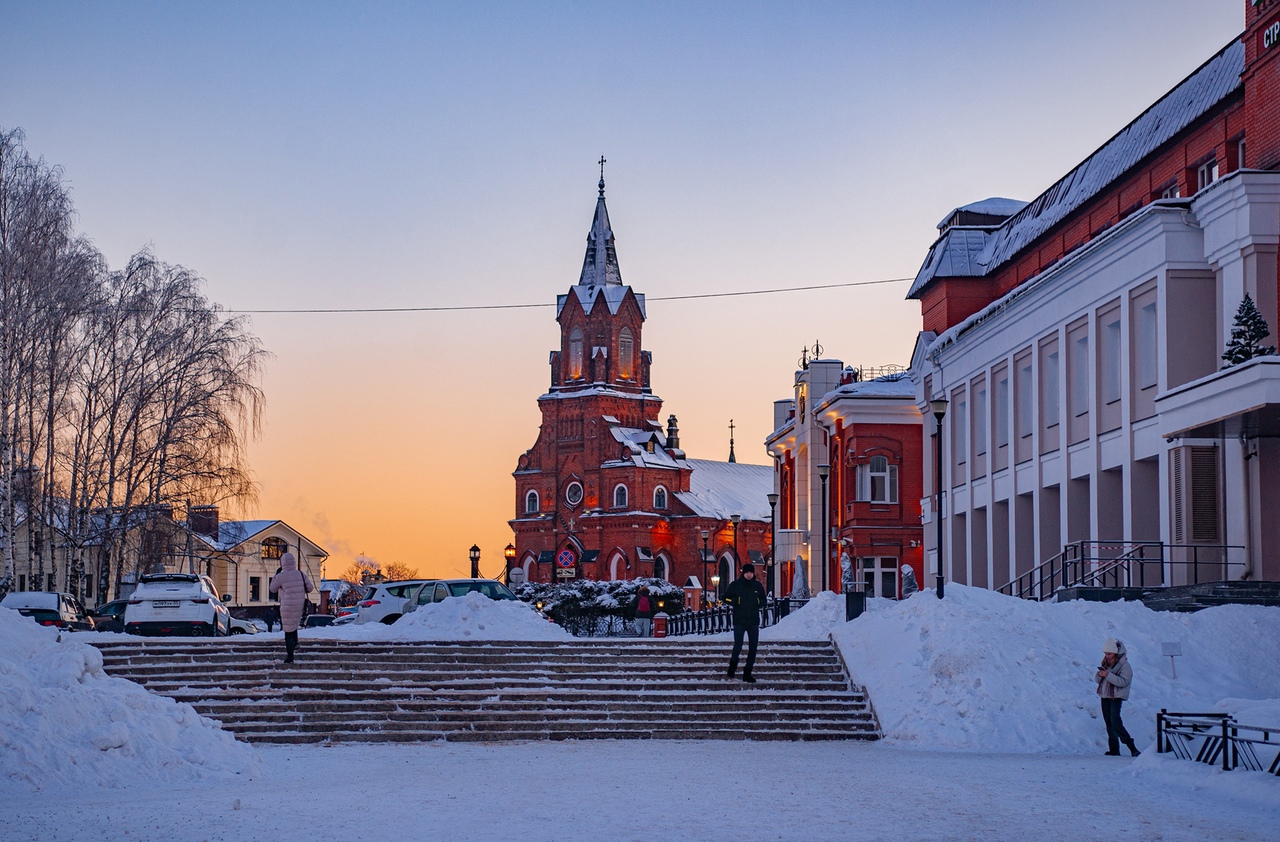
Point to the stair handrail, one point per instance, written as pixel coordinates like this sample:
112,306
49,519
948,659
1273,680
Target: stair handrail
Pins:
1032,584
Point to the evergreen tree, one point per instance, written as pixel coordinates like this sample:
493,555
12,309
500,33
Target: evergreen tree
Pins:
1249,330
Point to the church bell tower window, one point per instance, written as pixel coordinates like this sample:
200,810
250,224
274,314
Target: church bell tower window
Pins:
626,348
575,354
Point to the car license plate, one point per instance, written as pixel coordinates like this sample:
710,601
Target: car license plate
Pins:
166,603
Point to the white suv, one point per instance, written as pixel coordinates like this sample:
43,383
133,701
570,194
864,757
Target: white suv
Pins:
387,601
177,603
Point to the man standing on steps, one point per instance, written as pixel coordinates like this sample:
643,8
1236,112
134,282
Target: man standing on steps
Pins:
747,597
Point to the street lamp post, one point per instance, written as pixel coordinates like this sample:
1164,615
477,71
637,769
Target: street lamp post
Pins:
737,560
510,555
474,554
824,471
939,407
706,580
773,537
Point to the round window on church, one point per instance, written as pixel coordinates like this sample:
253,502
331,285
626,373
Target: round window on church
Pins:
573,493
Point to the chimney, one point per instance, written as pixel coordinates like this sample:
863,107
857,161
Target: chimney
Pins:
673,433
203,520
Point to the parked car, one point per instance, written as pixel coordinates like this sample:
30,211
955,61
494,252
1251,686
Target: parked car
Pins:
316,620
440,590
346,619
386,602
177,603
110,617
49,608
239,626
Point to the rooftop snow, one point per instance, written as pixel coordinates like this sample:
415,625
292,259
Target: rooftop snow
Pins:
589,295
995,206
722,489
1202,90
232,533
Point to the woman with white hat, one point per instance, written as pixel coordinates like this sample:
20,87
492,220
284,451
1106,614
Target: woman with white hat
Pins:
1114,677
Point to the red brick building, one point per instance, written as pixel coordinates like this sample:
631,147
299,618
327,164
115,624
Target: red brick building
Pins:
853,436
606,492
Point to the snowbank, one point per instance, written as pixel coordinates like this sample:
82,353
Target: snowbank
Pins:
63,722
814,621
982,671
470,617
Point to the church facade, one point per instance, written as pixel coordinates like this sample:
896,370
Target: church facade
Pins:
606,492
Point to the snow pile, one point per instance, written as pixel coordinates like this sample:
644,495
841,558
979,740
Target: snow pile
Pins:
64,722
813,621
982,671
470,617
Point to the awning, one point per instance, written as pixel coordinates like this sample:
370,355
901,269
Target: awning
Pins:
644,554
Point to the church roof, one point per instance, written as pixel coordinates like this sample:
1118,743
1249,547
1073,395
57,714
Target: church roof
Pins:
589,295
723,489
600,266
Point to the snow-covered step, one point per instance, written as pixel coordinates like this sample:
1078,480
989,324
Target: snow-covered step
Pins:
345,690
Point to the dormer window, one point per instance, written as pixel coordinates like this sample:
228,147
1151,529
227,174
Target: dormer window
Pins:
575,354
273,548
620,496
626,352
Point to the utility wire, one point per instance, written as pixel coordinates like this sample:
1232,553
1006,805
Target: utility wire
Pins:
551,304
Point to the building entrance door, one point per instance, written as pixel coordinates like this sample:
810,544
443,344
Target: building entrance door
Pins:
880,574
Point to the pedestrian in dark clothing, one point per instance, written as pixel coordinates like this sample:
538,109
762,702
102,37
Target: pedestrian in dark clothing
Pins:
747,597
1114,677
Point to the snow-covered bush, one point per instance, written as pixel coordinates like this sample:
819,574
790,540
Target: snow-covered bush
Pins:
585,606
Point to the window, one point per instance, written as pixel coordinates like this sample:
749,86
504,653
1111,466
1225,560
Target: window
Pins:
980,421
880,574
1240,154
575,354
877,481
573,493
1002,411
625,354
273,549
1111,361
962,430
255,589
1049,389
531,503
619,496
1148,346
1024,398
659,498
1207,174
1171,191
1080,376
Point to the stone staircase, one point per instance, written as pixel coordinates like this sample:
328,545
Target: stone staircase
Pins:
362,691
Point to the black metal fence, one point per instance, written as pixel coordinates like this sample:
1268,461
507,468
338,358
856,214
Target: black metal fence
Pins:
1215,738
1128,564
719,618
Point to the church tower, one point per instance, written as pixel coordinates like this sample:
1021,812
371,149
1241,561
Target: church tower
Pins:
605,492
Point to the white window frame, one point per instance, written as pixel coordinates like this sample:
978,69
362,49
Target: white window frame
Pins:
1052,375
1111,360
1002,410
879,566
1206,173
532,496
980,421
1025,403
1080,376
626,496
1148,346
661,505
867,486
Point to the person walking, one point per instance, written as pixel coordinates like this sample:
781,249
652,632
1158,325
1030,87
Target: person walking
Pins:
747,597
293,586
1114,678
644,611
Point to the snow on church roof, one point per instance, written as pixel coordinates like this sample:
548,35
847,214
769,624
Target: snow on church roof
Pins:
589,295
1206,87
723,489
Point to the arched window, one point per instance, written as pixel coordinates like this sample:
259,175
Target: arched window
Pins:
619,496
531,503
661,568
625,355
274,548
878,481
575,354
660,498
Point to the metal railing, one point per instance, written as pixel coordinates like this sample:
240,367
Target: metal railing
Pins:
1214,738
719,618
1127,564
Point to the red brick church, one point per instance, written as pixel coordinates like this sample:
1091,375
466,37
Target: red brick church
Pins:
606,492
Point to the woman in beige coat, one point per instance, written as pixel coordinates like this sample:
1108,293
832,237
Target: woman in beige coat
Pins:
1114,678
292,585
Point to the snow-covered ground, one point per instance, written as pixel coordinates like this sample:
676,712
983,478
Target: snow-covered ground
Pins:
993,696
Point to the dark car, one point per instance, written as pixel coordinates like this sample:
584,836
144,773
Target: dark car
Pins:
110,617
50,609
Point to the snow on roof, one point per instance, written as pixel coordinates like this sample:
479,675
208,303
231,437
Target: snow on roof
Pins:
1212,82
589,295
890,386
637,441
722,489
232,533
956,254
995,206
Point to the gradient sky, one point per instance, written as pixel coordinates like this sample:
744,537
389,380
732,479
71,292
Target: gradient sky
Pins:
329,155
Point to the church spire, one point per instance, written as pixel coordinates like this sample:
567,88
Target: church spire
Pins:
600,266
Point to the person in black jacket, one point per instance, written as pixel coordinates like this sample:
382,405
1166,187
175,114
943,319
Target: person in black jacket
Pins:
747,597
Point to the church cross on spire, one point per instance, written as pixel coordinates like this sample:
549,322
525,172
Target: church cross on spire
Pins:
732,458
600,265
602,162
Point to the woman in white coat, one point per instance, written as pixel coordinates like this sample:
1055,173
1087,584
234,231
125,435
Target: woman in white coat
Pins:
292,585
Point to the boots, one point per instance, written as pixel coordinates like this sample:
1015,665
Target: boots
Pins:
290,643
1133,749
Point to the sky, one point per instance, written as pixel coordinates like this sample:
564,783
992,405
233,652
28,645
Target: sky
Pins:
320,155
